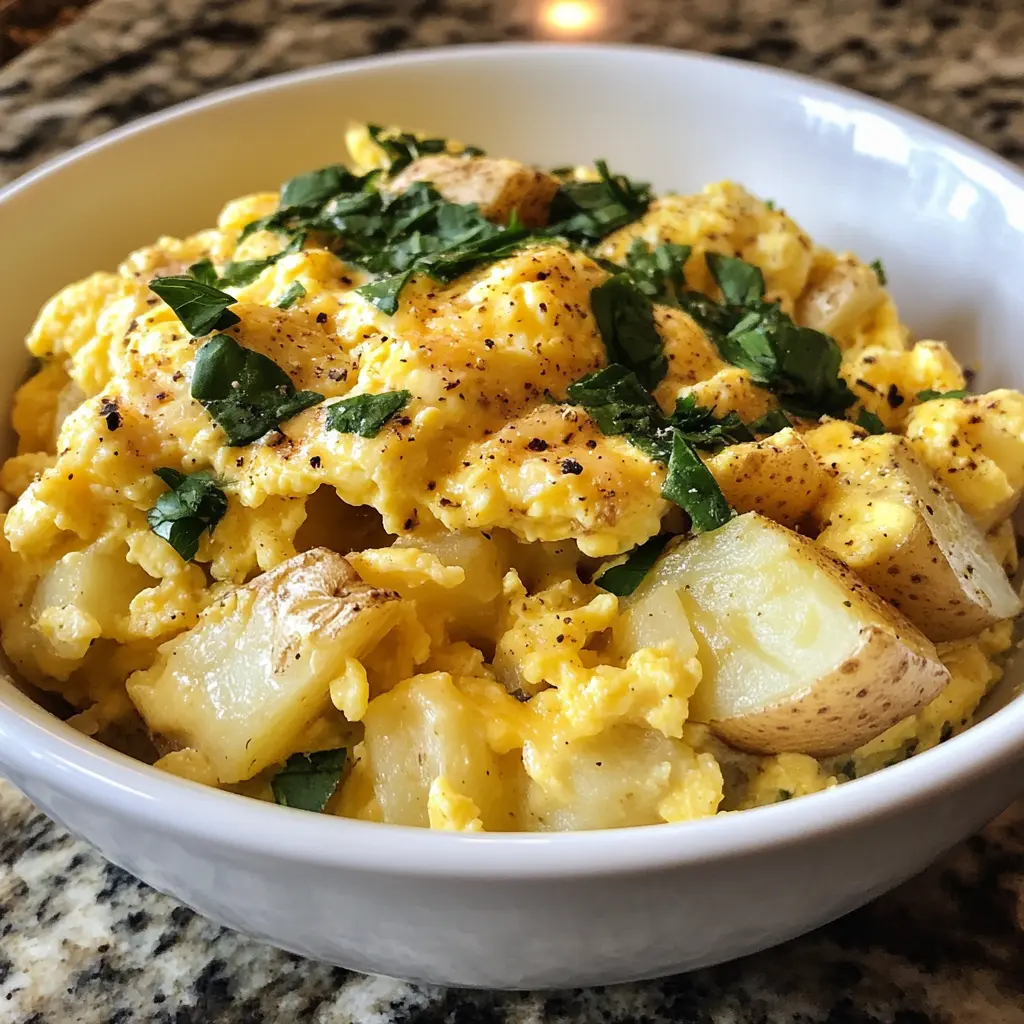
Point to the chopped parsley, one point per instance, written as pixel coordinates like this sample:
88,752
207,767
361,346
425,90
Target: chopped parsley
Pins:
200,306
870,422
291,295
658,273
771,422
193,503
690,485
365,414
246,393
586,211
930,395
703,429
239,273
308,781
876,266
785,794
625,318
624,578
741,283
402,148
619,405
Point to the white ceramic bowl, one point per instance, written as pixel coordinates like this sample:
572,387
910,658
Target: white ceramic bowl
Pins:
539,910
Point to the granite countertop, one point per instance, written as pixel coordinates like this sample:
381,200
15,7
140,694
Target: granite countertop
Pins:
83,942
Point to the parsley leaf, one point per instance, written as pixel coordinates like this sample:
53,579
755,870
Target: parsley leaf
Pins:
771,422
625,318
205,272
703,429
402,148
316,186
930,395
658,273
870,422
239,273
876,266
291,295
619,405
742,283
624,578
244,391
690,485
200,307
308,781
193,504
587,211
365,414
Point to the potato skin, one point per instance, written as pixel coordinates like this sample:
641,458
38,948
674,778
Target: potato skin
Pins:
778,476
846,708
498,187
891,674
911,542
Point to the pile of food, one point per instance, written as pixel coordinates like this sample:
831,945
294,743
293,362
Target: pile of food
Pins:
443,491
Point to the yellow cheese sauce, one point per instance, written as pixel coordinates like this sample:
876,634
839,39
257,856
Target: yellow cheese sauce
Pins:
499,685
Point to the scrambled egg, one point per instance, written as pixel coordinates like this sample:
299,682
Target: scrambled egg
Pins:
511,691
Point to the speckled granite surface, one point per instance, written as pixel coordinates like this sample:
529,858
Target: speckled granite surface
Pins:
82,942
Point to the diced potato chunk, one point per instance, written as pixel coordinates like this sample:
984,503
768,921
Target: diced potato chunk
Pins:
797,654
779,476
904,534
623,776
242,685
498,187
838,301
422,730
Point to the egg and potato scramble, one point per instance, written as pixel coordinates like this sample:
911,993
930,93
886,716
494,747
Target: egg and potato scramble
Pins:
440,490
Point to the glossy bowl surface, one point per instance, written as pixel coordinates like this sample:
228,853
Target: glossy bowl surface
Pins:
525,911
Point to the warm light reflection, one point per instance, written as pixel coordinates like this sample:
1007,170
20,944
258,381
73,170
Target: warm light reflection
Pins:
571,17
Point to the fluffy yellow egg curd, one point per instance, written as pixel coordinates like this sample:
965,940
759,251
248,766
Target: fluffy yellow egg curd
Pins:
445,491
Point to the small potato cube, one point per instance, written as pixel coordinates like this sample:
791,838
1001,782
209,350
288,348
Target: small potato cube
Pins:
778,476
624,776
838,301
242,685
422,730
797,655
905,535
498,187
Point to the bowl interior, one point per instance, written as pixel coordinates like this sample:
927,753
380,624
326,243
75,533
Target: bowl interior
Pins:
946,218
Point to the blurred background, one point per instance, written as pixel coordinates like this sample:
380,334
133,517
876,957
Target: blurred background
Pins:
73,69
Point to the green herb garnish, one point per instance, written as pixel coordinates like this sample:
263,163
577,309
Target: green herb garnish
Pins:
619,405
876,266
657,272
308,781
365,414
403,148
201,307
244,391
193,504
239,273
703,429
690,485
771,422
870,422
930,395
291,295
625,318
317,186
741,283
587,211
785,794
624,578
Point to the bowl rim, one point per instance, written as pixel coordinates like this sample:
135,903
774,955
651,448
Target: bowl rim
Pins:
37,744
